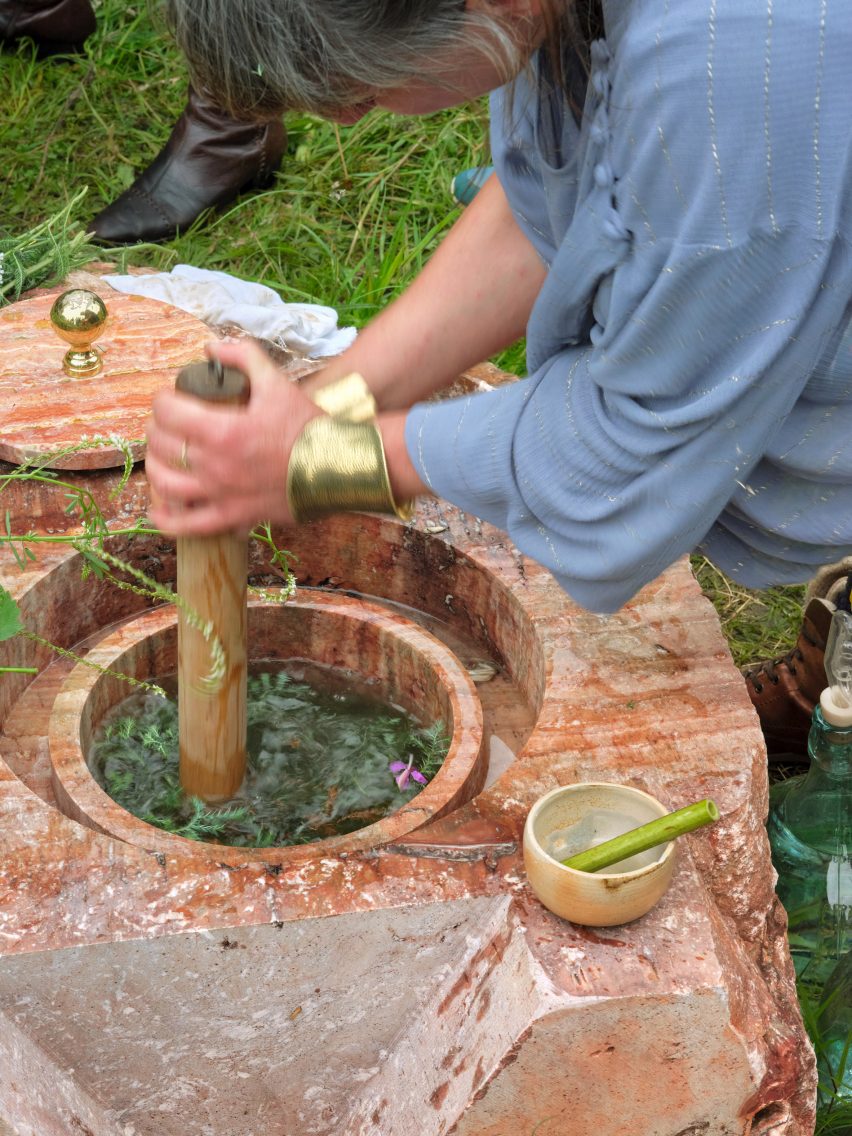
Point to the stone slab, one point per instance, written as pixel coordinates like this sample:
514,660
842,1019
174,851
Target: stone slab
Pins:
44,411
416,986
696,998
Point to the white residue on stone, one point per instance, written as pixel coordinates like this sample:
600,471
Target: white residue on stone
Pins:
551,997
473,942
168,917
362,1075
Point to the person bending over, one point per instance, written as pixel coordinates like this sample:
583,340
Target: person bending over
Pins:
670,228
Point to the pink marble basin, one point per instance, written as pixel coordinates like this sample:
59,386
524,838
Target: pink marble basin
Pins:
405,665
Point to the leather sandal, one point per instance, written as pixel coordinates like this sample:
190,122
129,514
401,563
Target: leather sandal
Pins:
209,159
58,27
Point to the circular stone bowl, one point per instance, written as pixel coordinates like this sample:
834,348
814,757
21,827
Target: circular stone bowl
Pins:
400,661
595,899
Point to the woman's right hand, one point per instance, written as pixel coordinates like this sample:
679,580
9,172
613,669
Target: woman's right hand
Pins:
216,469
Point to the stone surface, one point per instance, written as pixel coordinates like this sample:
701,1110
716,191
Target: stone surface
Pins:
45,411
405,666
415,986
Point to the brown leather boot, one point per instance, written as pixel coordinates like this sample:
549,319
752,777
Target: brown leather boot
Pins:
57,26
785,691
208,160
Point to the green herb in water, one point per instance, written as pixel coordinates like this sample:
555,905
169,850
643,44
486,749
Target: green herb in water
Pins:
319,764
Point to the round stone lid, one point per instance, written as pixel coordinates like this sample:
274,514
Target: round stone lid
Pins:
45,413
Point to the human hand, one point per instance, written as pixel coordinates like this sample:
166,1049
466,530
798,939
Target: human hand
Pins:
217,469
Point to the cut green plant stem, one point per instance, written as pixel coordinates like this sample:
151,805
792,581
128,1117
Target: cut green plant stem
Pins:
646,836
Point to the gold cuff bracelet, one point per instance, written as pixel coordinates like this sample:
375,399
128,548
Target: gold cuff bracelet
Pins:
338,464
348,398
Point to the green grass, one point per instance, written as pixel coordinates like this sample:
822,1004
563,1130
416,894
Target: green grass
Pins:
352,216
834,1116
350,219
757,625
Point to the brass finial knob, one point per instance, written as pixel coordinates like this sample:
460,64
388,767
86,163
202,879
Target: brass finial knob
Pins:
79,317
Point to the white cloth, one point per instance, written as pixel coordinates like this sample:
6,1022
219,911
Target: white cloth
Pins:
218,298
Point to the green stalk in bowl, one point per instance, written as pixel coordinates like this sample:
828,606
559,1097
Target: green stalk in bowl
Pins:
649,835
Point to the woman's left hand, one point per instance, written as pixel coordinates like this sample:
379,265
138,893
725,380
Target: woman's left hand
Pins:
215,469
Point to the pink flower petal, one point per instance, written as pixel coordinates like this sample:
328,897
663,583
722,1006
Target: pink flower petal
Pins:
419,777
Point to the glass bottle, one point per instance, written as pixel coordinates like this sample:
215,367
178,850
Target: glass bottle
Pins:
834,1025
810,827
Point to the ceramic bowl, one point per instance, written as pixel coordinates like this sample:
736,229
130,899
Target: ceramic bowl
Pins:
596,899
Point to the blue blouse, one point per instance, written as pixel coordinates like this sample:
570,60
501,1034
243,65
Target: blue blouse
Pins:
690,353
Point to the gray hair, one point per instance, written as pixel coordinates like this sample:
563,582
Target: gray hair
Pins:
258,58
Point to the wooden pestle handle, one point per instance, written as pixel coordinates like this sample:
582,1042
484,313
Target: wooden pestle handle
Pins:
213,382
212,573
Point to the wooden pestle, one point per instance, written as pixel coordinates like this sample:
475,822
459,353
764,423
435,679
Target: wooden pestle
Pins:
212,574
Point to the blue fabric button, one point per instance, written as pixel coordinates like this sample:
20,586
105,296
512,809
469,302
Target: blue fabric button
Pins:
599,131
600,52
604,175
614,228
600,83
